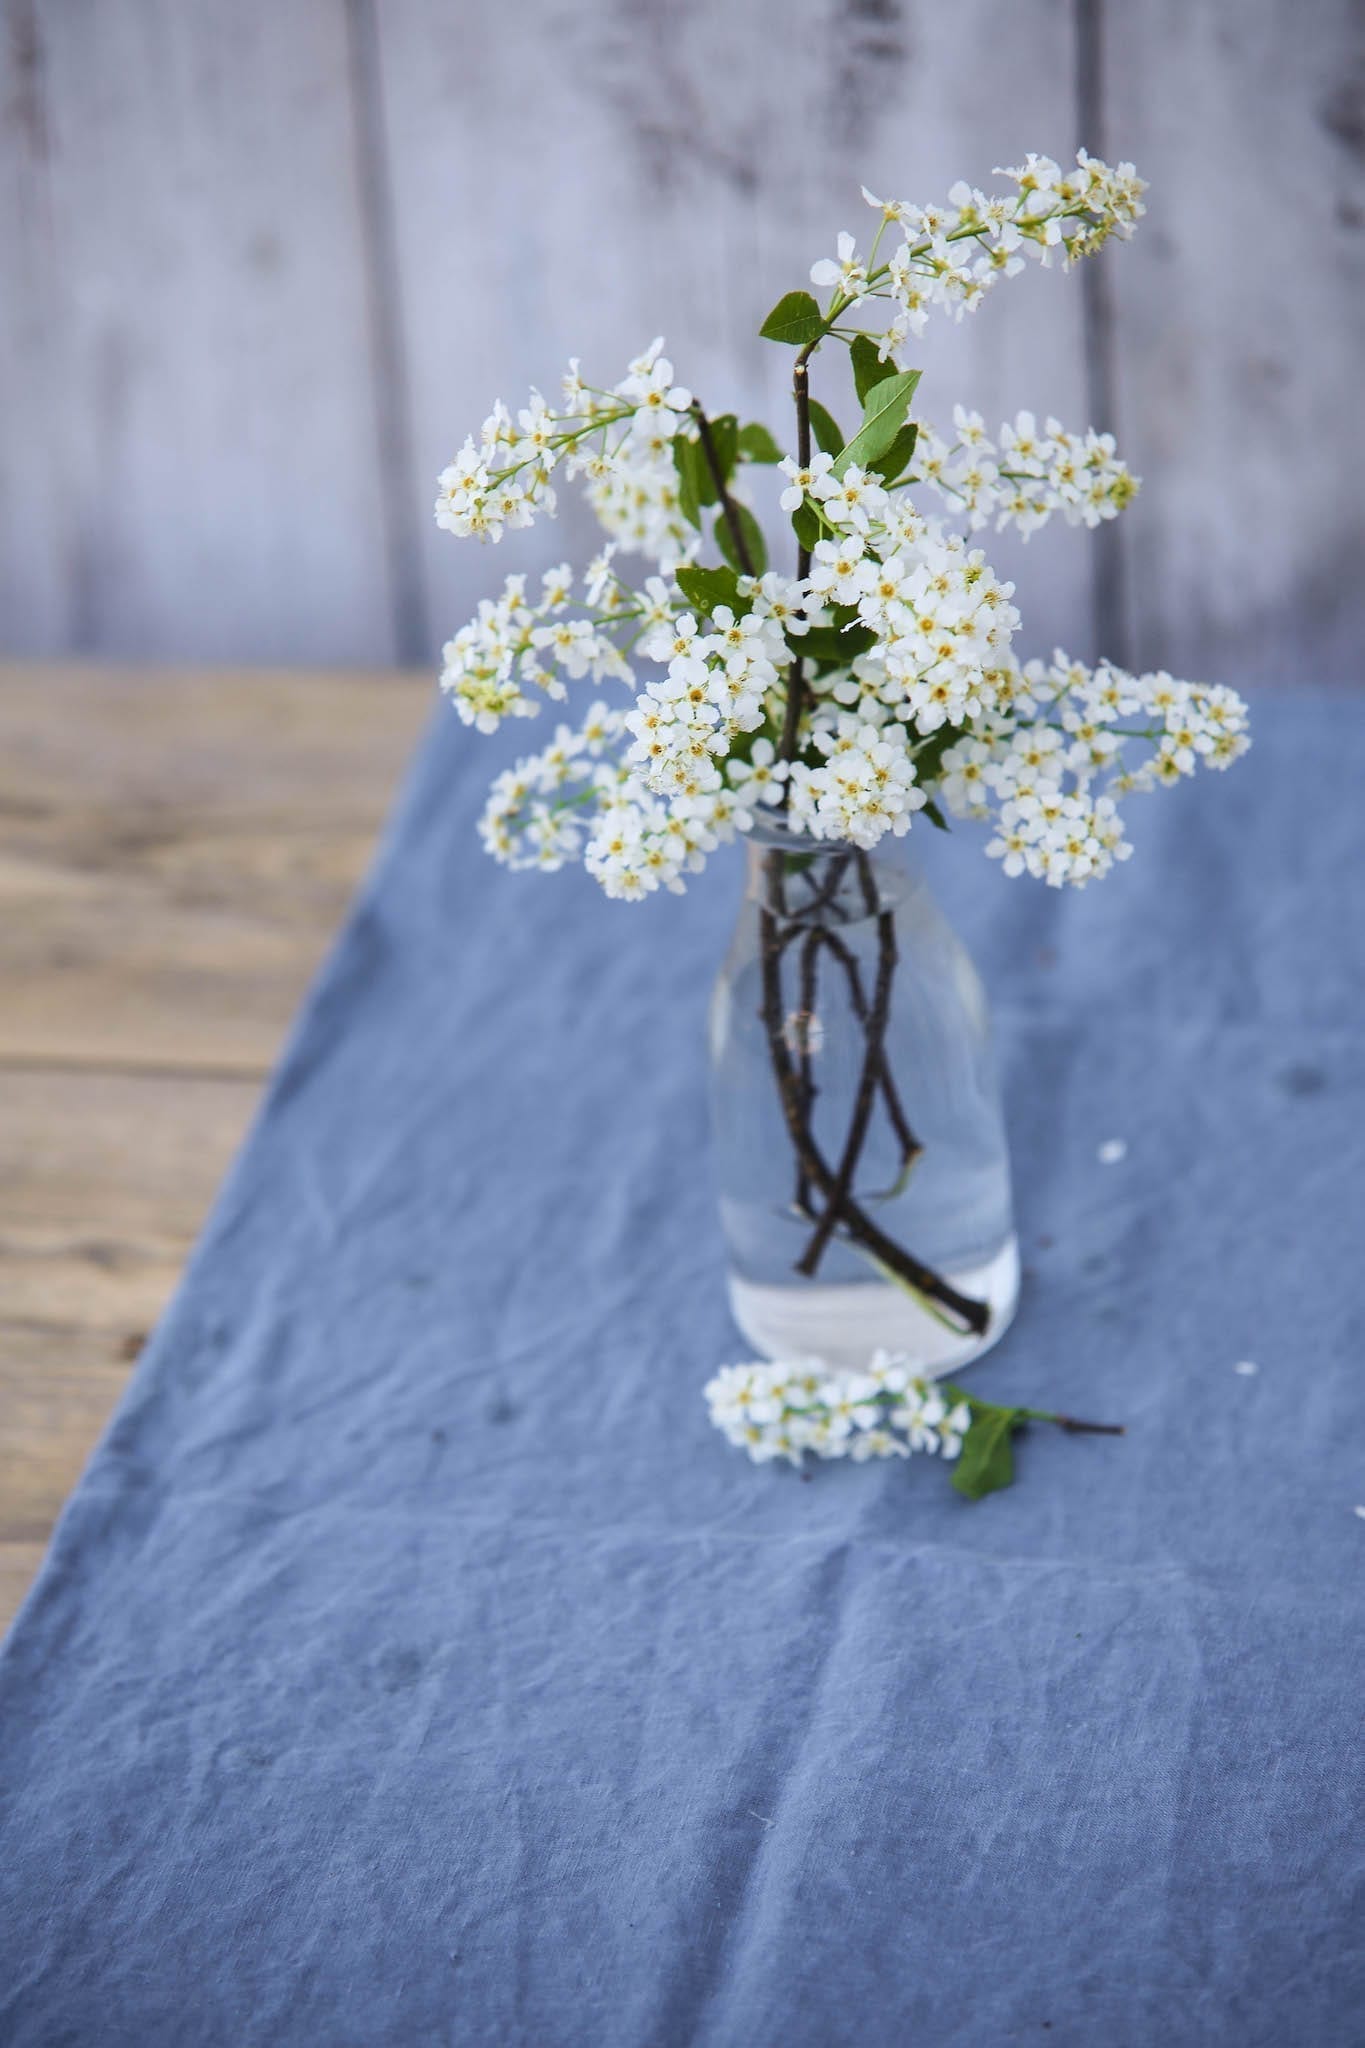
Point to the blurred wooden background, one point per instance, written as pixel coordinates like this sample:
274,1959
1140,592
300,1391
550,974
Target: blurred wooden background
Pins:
265,264
176,849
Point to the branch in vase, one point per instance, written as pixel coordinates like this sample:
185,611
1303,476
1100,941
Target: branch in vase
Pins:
971,1315
875,1070
734,525
815,936
905,1137
874,1033
810,968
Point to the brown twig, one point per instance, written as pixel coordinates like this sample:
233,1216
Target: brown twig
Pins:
729,509
972,1315
873,1033
796,674
905,1137
810,965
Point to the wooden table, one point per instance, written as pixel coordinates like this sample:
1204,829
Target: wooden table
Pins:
176,849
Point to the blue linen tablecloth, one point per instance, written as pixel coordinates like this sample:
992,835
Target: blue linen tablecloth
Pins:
414,1664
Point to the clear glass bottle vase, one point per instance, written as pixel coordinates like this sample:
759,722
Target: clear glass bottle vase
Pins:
859,1141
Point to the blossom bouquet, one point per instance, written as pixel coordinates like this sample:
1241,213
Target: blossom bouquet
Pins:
820,712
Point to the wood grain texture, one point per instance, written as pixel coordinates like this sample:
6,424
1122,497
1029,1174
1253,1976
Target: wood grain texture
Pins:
1239,333
104,1181
171,847
264,266
700,159
190,462
176,849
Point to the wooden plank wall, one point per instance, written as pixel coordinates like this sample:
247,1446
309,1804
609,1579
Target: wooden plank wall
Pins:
264,264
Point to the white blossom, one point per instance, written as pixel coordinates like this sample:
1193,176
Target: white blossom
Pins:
847,275
781,1411
948,256
1024,475
617,443
913,693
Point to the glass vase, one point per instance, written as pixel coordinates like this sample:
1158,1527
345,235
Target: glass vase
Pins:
859,1141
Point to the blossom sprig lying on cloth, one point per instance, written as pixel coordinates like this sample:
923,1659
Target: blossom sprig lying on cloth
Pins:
880,683
782,1412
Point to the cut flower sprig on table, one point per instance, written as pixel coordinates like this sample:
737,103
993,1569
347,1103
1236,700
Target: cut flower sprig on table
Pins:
876,684
785,1412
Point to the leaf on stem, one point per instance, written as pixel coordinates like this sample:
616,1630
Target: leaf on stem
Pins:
829,435
929,753
794,320
883,419
689,462
832,648
806,525
986,1461
753,540
890,465
756,444
868,367
704,589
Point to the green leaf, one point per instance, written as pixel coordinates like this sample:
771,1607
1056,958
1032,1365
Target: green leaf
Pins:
868,367
829,435
883,418
686,456
753,540
756,444
704,589
935,815
806,526
986,1461
831,648
795,320
889,466
929,753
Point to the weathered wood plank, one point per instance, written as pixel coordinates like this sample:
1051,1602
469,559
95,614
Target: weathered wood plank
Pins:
235,742
1240,333
699,159
19,1562
57,1389
189,463
174,849
104,1182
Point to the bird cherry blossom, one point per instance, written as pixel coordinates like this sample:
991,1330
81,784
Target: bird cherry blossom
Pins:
896,642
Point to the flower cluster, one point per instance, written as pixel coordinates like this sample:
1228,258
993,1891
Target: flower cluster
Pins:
1023,476
619,442
865,785
949,256
712,690
1049,779
516,651
878,684
578,800
783,1411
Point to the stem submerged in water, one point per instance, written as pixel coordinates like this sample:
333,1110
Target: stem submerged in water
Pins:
840,1207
